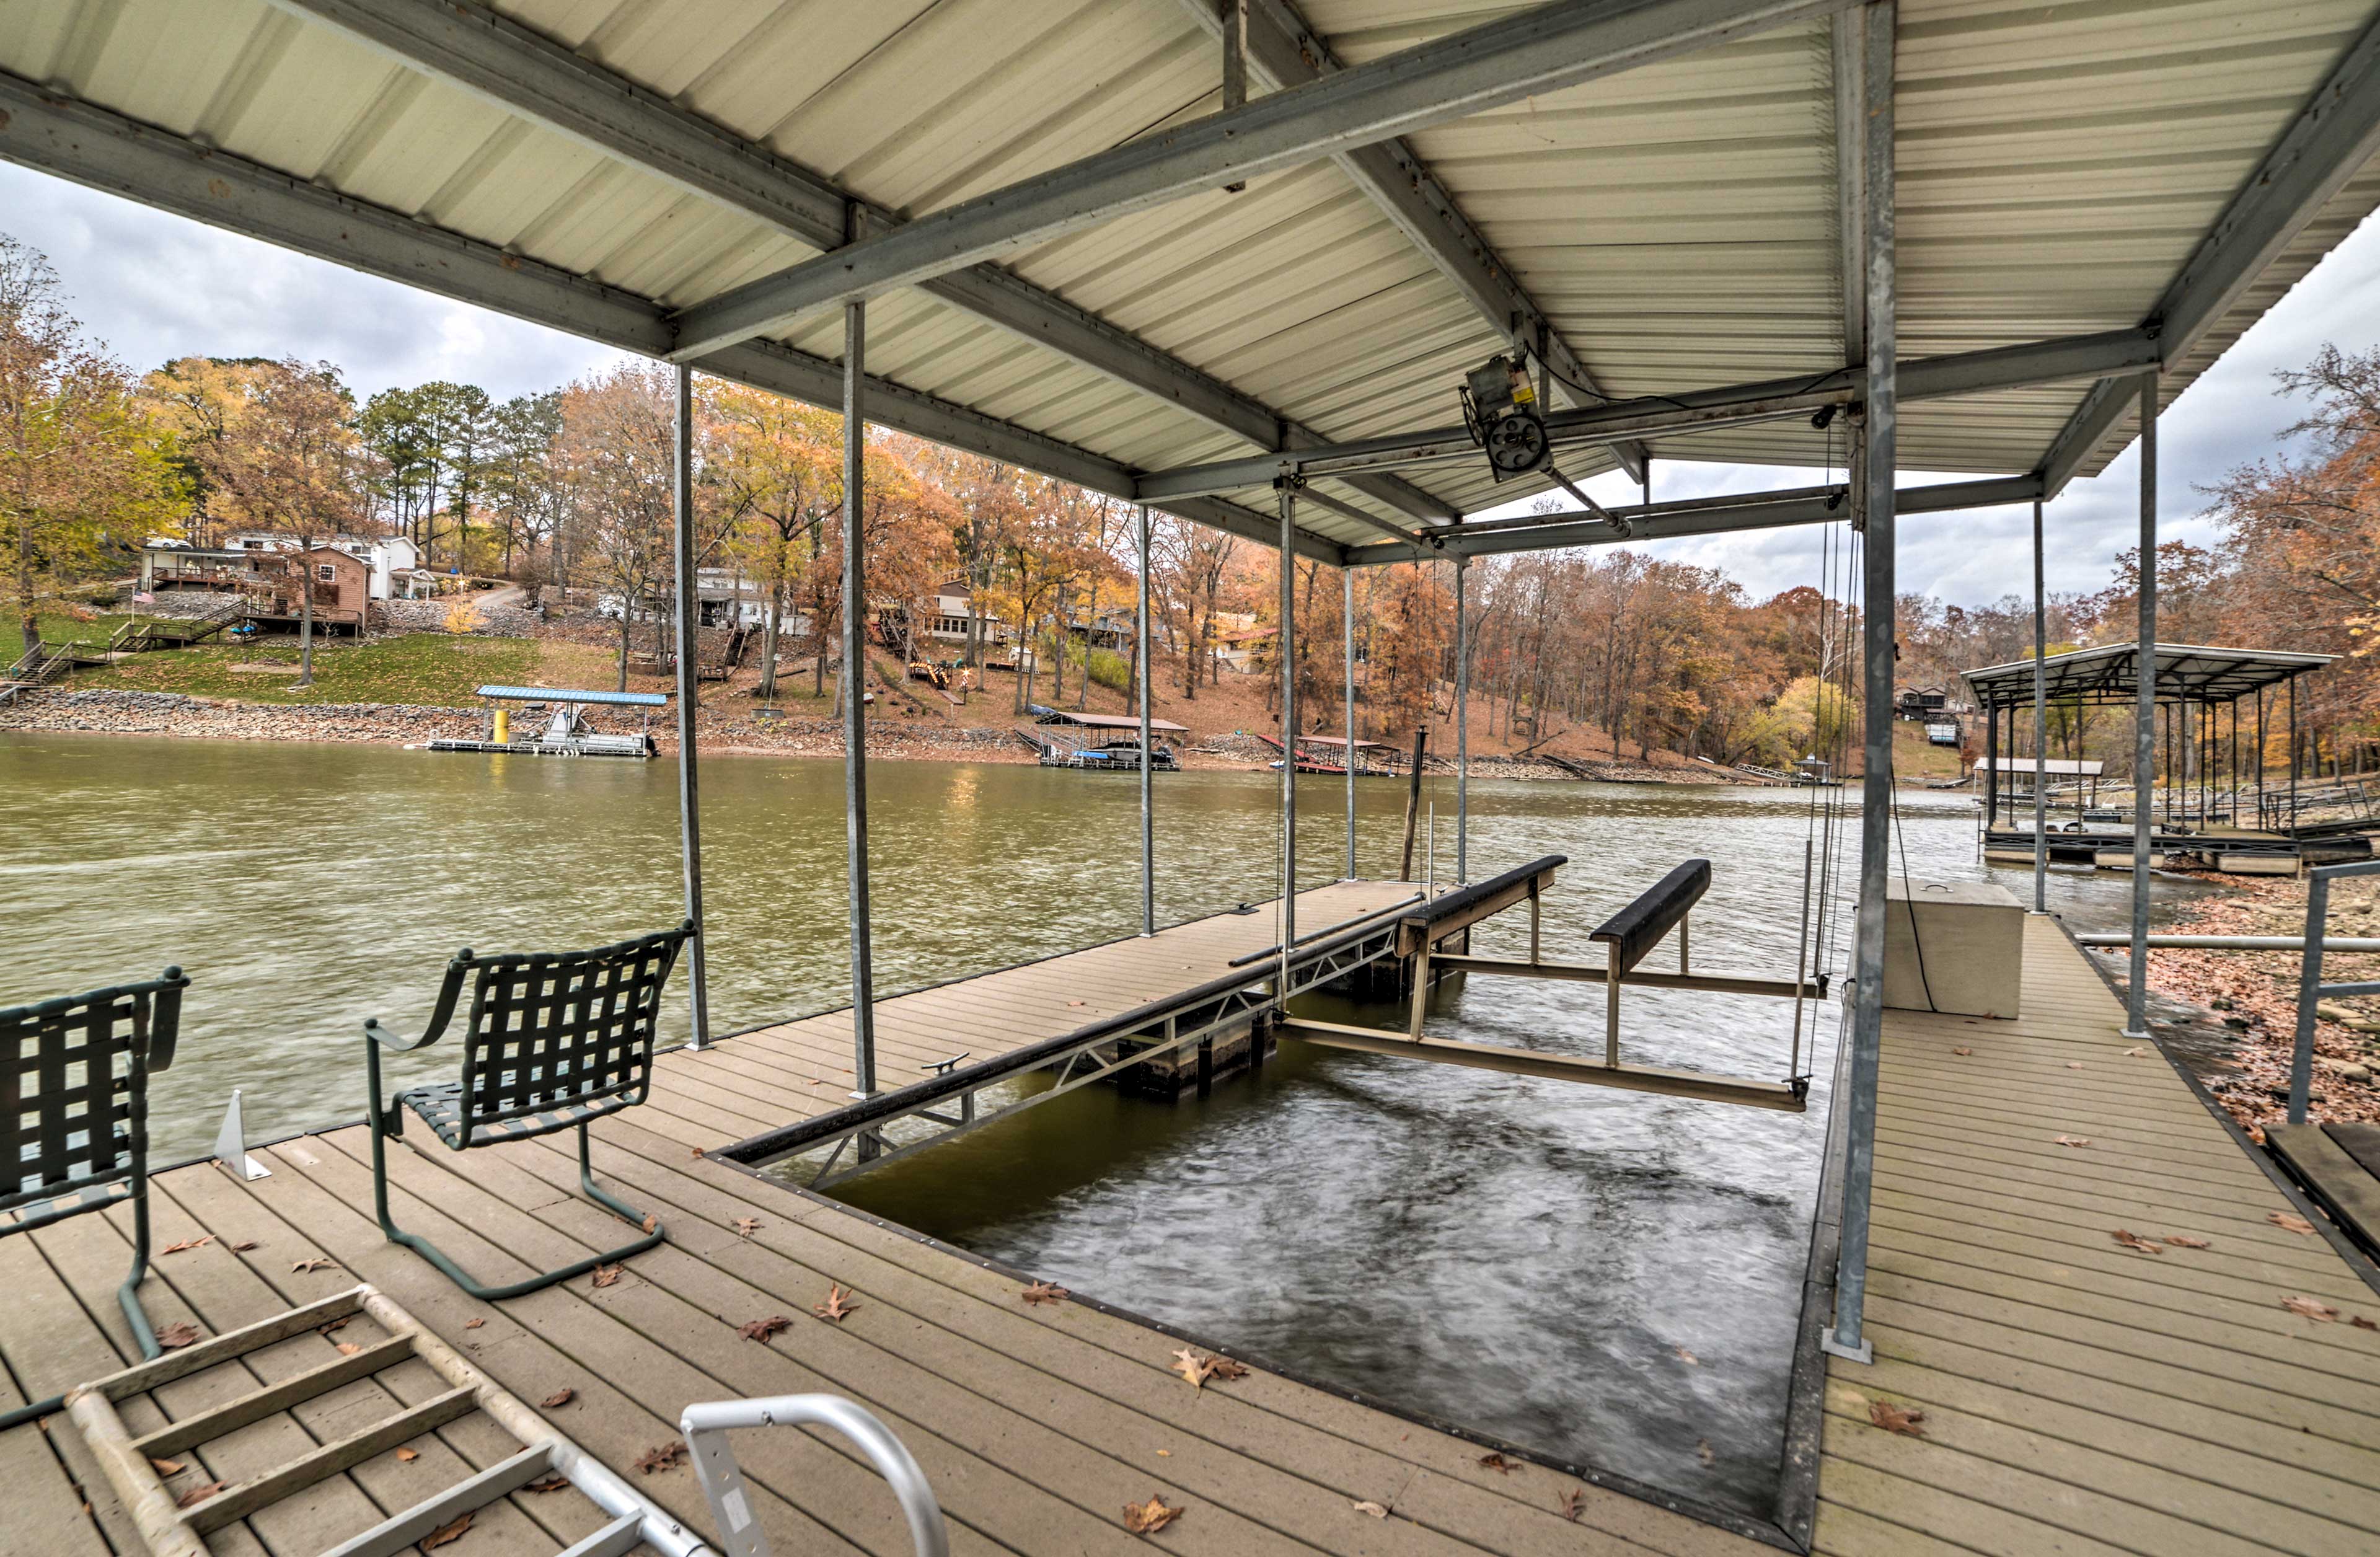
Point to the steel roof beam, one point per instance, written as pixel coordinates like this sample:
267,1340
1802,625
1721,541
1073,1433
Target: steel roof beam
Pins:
1661,521
1849,56
1544,50
1287,52
1966,373
523,72
2333,135
42,127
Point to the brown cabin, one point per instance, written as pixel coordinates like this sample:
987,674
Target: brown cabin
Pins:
341,586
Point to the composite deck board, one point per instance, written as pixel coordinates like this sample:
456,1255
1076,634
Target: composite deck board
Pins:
2078,1398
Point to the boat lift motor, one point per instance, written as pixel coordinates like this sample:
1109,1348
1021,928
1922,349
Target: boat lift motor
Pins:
1499,409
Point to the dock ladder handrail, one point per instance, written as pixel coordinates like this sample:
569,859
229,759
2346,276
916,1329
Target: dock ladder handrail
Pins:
2310,989
707,1424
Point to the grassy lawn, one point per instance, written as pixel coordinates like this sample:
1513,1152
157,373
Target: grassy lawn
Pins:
427,668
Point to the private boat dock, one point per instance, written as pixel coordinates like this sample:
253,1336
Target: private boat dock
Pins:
2073,1394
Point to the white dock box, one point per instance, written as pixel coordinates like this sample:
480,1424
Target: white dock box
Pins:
1952,946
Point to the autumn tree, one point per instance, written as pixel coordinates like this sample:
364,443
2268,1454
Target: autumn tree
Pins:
615,450
78,464
780,467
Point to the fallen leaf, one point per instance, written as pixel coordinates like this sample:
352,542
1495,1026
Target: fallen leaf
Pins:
1374,1510
652,1221
408,1455
198,1242
606,1274
199,1494
1687,1357
242,1247
696,1152
1573,1503
1962,1049
2310,1309
179,1334
445,1533
746,1225
334,1326
1703,1452
1044,1291
547,1484
837,1306
1225,1369
662,1456
1498,1462
2184,1241
2134,1241
1147,1518
2074,1140
348,1348
1193,1367
2360,1322
1896,1418
2289,1222
2073,1064
557,1399
2136,1054
473,1324
760,1330
169,1467
1073,1002
314,1262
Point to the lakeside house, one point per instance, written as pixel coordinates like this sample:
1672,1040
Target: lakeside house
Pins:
392,563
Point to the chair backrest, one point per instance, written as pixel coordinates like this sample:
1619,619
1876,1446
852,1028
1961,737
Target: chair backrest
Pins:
550,1030
74,1093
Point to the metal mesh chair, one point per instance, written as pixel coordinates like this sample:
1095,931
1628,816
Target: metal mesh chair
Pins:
74,1119
554,1040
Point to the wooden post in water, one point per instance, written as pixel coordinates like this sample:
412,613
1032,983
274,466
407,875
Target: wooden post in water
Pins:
1413,800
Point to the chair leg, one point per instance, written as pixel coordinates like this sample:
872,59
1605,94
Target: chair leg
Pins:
128,1298
455,1273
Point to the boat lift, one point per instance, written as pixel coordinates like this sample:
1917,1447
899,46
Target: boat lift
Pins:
565,730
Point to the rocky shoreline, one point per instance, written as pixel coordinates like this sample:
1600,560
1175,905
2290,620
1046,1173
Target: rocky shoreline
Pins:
131,712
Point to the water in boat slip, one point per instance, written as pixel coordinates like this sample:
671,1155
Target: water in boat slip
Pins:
1534,1259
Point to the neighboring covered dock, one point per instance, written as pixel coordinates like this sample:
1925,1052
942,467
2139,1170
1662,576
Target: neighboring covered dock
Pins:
559,725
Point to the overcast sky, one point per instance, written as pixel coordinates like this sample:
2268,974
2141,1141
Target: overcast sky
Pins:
156,286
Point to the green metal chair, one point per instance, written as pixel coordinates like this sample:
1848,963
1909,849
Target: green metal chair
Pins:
74,1119
556,1040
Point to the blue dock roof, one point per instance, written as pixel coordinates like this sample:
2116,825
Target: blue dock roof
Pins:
564,695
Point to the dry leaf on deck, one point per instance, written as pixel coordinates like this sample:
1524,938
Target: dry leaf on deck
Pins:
1498,1462
1225,1369
314,1262
652,1223
198,1242
334,1326
606,1274
2073,1064
760,1330
2136,1054
243,1247
1962,1049
180,1333
1896,1418
348,1348
1044,1291
662,1456
2311,1308
199,1494
169,1467
1687,1357
1374,1510
746,1225
547,1484
558,1398
1573,1503
2289,1222
2360,1322
1147,1518
2184,1241
2134,1241
408,1454
445,1533
837,1306
473,1324
2074,1140
696,1152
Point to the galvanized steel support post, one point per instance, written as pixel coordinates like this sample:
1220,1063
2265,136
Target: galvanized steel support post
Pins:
1347,590
1462,729
1875,487
1148,814
2040,727
854,705
1285,641
689,810
2136,988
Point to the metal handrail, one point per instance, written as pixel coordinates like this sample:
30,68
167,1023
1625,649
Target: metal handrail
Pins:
2310,989
705,1426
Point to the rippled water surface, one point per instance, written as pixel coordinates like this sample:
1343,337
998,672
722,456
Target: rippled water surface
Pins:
1603,1277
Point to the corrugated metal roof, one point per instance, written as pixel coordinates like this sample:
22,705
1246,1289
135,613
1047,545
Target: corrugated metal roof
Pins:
1677,222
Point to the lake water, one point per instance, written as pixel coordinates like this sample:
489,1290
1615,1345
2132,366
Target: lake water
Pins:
1604,1277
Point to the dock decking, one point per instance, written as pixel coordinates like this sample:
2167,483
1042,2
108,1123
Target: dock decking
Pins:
2078,1397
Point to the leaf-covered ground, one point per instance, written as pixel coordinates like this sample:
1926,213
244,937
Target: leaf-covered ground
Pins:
2256,994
